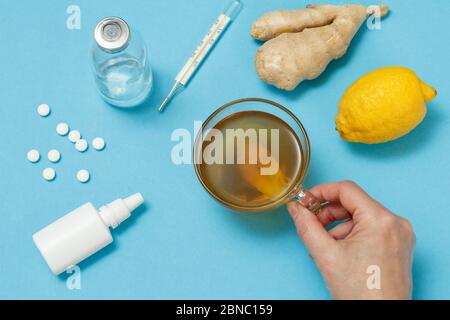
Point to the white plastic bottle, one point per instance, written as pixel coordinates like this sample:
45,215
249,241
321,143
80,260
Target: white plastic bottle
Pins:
82,232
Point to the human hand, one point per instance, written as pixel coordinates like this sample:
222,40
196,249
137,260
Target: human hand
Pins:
346,254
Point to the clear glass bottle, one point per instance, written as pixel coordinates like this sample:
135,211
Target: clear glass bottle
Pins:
120,63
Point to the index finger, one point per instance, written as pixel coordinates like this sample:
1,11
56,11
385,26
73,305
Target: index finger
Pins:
347,193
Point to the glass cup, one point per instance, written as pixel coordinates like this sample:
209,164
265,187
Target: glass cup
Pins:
296,192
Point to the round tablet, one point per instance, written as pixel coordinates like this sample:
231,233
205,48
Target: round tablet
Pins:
98,143
43,110
49,174
83,175
54,155
74,135
81,145
33,155
62,128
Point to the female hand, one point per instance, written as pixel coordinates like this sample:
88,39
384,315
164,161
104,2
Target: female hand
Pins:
367,257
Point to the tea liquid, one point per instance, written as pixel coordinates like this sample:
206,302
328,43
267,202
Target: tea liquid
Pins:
243,185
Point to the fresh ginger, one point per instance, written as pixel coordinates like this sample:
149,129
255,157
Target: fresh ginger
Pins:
301,43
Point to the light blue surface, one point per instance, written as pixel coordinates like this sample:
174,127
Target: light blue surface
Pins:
183,244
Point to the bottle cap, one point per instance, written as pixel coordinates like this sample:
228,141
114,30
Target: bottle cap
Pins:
112,34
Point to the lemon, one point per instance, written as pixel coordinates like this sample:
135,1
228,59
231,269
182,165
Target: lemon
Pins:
383,105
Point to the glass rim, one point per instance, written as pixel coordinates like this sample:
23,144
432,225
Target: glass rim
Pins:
299,177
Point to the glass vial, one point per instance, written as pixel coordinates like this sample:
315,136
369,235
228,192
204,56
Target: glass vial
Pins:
120,63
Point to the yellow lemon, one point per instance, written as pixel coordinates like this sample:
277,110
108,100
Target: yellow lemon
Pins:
383,105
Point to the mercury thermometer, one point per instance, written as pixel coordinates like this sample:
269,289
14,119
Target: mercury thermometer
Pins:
203,49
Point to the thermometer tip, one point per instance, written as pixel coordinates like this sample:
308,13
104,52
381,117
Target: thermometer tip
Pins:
174,89
163,104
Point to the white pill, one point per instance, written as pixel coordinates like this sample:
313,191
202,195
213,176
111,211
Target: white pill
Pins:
33,155
83,175
62,128
98,143
81,145
54,155
43,110
49,174
74,135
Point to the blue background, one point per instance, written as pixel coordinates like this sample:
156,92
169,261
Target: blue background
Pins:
183,244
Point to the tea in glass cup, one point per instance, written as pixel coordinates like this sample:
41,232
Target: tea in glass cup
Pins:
252,155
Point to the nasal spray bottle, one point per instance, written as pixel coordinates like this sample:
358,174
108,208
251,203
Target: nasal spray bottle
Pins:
82,232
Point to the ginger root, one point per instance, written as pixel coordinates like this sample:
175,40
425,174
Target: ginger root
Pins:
301,43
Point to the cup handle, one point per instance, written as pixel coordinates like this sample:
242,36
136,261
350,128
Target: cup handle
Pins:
307,200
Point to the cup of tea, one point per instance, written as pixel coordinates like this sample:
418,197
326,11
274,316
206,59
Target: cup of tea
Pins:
252,155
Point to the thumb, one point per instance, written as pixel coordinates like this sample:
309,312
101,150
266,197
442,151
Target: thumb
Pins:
310,230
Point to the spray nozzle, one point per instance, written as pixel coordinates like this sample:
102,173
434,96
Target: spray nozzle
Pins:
119,210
